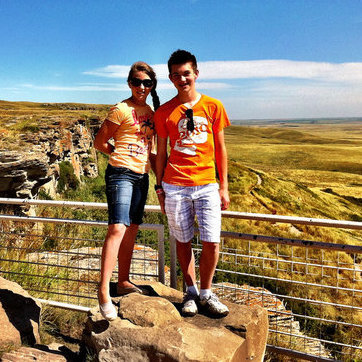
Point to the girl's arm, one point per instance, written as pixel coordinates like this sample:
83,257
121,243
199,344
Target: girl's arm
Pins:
104,134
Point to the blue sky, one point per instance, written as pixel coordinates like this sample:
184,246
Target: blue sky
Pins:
261,58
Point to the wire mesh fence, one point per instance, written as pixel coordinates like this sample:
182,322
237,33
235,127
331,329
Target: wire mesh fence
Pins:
311,289
59,260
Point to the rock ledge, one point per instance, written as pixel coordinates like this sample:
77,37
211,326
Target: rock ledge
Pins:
150,328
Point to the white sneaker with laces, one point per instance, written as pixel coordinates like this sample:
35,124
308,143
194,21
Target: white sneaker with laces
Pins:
189,307
214,306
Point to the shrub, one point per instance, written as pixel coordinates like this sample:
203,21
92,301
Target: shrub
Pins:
67,177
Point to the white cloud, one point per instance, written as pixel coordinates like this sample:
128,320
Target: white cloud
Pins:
280,99
121,71
104,87
321,71
248,89
81,87
351,72
110,71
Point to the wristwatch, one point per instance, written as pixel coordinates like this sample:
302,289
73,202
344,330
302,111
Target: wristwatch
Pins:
158,187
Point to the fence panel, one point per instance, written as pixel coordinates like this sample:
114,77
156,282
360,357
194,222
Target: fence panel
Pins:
59,259
311,289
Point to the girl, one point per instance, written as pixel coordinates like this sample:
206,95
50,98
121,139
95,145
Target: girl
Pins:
130,124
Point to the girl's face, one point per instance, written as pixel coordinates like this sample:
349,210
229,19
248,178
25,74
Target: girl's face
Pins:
141,85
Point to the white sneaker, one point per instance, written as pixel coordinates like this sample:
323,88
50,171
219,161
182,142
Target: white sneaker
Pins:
108,311
189,307
214,306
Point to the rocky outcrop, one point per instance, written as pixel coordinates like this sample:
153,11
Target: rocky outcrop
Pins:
23,172
150,328
21,175
19,316
29,354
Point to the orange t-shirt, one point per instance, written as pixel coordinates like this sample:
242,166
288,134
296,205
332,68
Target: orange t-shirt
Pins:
191,161
134,138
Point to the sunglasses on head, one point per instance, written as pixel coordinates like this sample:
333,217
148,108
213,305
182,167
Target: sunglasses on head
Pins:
190,122
136,82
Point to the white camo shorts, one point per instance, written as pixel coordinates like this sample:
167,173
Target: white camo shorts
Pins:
182,203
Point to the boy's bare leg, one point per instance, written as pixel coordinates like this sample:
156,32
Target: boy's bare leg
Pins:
208,261
186,259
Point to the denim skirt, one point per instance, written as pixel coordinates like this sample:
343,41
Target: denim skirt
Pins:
126,193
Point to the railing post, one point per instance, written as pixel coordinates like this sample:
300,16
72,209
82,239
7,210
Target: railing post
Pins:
161,254
173,257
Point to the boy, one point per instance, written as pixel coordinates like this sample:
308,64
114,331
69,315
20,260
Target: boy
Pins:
186,180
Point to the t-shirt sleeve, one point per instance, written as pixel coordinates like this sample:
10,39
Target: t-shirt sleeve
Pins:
221,119
160,124
116,114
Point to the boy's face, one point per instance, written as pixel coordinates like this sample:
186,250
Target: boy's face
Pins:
183,77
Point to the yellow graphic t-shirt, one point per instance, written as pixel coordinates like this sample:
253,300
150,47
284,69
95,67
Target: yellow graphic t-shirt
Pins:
134,138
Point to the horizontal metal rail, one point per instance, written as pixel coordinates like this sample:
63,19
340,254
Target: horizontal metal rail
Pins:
228,214
295,281
277,312
293,220
294,242
69,221
52,303
155,227
292,262
60,266
314,339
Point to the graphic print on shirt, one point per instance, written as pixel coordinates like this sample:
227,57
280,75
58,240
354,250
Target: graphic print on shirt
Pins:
187,140
144,133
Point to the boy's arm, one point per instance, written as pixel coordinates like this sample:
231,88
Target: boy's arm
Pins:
161,160
222,168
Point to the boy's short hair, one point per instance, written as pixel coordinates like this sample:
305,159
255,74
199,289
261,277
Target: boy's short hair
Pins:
181,57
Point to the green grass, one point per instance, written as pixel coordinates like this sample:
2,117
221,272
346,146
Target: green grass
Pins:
28,119
311,170
305,157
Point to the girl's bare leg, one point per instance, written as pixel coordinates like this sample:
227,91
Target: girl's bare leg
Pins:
125,255
109,258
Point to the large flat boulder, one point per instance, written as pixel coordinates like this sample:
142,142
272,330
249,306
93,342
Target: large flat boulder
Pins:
19,316
150,328
29,354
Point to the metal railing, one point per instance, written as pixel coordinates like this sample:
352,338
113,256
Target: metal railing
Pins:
311,289
58,259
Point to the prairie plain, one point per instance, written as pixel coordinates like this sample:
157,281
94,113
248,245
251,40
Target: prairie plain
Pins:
317,155
311,168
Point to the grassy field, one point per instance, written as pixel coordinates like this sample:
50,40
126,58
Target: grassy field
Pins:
19,120
309,169
316,156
